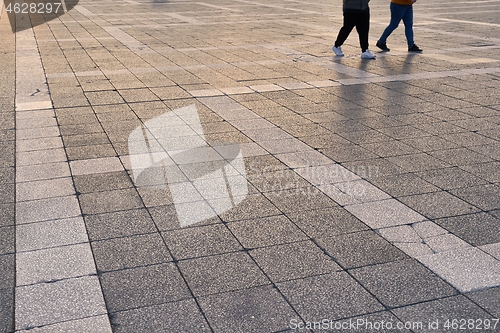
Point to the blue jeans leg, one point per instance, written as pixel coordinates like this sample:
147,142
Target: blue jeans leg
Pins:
397,14
408,22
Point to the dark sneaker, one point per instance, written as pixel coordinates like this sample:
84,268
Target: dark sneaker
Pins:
414,48
383,46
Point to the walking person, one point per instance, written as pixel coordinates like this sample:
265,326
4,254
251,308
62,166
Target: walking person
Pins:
400,10
356,14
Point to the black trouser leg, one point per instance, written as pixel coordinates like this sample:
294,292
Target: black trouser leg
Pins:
349,24
363,28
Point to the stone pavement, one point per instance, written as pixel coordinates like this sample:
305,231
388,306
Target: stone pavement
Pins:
181,166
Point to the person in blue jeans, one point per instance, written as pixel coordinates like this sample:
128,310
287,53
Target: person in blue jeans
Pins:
400,10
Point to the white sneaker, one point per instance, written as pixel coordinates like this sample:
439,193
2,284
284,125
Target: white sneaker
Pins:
368,55
338,50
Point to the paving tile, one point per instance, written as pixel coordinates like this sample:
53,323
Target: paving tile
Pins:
6,310
450,178
47,209
96,165
249,310
200,241
102,182
43,189
487,299
402,283
383,321
403,185
466,268
486,197
181,316
40,157
7,271
327,296
109,201
143,286
221,273
460,156
129,252
42,171
119,224
299,199
266,231
476,229
246,209
360,249
293,261
417,162
7,240
485,171
492,249
50,303
437,312
97,324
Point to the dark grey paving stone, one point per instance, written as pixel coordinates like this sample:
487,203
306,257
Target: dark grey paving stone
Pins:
221,273
90,152
259,309
119,224
360,249
439,311
262,164
327,222
201,241
331,296
487,171
348,153
374,168
7,271
403,185
129,252
390,148
277,180
300,199
460,156
110,201
181,316
438,204
7,240
476,229
7,310
402,283
254,206
85,139
417,162
450,178
488,299
266,231
430,143
486,197
102,182
7,214
165,218
143,286
383,321
293,261
80,129
7,175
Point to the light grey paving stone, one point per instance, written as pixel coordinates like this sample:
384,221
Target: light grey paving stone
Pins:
201,241
42,171
41,156
41,235
43,189
467,269
97,324
385,213
51,303
434,315
181,316
328,296
38,144
327,174
36,133
97,165
47,209
221,273
143,286
53,264
293,261
128,252
250,310
492,249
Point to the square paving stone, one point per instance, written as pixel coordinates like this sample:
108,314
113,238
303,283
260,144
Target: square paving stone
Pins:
438,204
102,182
7,240
119,224
7,271
417,162
460,156
7,215
143,286
476,229
403,185
402,283
332,296
450,178
487,171
486,197
259,309
383,321
488,299
201,241
6,310
221,273
253,206
266,231
110,201
129,252
165,217
293,261
300,199
360,249
181,316
437,313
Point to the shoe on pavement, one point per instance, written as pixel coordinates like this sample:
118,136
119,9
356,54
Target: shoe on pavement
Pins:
414,48
338,50
383,46
367,55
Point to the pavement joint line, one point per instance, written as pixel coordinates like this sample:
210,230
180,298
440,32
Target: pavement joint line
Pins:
31,309
384,214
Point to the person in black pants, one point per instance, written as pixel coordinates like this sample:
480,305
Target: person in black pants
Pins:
356,14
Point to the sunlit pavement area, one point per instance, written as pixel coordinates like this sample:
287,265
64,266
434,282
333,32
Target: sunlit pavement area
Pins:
182,166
